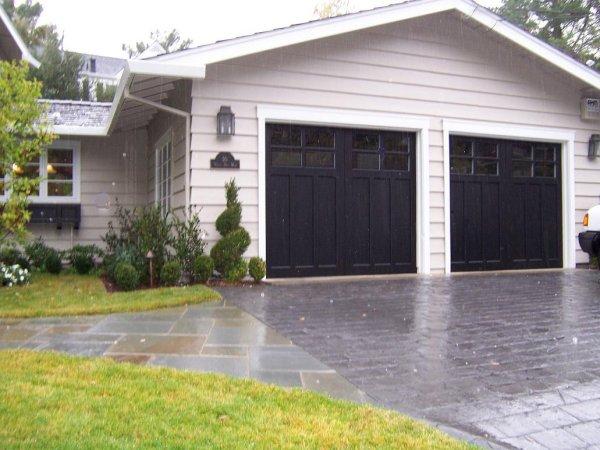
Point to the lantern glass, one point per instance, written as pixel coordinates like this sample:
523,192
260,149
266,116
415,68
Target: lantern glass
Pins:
225,121
594,146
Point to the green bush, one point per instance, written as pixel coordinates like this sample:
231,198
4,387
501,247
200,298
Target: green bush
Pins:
10,256
203,268
229,249
127,277
237,272
170,273
82,257
257,268
594,264
53,263
128,255
37,252
229,219
188,241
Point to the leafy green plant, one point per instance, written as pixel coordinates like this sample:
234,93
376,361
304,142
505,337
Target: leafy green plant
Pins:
124,254
170,273
257,268
82,257
227,252
594,263
203,268
11,255
53,262
37,251
188,241
127,277
237,272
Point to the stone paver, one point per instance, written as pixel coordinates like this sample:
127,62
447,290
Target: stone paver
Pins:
206,338
513,357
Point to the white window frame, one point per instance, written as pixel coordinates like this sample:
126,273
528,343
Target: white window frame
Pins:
351,119
532,133
43,197
165,139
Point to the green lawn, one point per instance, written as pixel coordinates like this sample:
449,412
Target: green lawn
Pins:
48,400
62,295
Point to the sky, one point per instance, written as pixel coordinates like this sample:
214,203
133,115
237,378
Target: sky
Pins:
101,26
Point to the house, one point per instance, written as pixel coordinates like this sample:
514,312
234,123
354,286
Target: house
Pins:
100,70
429,136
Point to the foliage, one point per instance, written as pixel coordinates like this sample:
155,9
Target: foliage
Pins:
23,136
188,241
237,272
86,93
570,25
13,275
82,257
257,268
170,273
332,8
127,277
72,294
11,255
203,268
228,251
53,262
105,92
170,42
37,251
594,264
127,254
25,18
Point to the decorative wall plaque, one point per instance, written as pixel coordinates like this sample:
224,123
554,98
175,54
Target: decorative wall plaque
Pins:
224,160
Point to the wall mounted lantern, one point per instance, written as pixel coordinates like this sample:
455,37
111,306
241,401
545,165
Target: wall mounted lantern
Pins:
594,146
225,121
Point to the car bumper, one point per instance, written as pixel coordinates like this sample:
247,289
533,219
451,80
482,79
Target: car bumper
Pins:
590,242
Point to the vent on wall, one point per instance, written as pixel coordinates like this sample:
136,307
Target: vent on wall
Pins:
590,108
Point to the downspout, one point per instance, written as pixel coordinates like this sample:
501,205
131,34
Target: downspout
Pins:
188,131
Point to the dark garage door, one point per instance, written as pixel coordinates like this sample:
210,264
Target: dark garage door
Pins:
339,201
505,204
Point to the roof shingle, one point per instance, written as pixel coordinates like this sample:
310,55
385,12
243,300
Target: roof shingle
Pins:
77,113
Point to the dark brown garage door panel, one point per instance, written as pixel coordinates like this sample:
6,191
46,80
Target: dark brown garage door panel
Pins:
505,204
339,201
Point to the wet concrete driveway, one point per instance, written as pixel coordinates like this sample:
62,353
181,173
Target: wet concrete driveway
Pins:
513,357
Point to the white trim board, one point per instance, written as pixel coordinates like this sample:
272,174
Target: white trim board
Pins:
319,29
507,131
351,119
25,53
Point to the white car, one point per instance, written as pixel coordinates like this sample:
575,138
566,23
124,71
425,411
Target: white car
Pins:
589,239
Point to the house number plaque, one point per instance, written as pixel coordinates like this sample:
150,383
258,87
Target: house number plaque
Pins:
224,160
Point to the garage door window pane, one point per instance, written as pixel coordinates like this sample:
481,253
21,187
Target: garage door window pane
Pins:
486,150
365,141
544,170
461,166
486,167
320,137
544,154
286,158
521,151
285,135
319,159
461,148
396,161
365,161
521,169
397,142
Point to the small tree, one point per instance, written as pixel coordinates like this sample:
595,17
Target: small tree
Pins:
23,136
227,252
86,94
105,92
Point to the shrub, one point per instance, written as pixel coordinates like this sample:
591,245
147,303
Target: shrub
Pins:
203,268
257,268
127,255
13,275
9,256
237,272
53,263
82,257
170,273
188,241
594,262
37,251
127,277
229,219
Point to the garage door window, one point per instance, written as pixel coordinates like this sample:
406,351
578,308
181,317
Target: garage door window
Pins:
293,146
381,151
533,160
474,158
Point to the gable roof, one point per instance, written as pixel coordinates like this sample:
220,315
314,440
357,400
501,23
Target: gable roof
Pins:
17,40
318,29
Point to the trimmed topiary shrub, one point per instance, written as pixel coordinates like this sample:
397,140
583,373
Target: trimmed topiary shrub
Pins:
127,277
53,263
170,273
227,252
257,268
203,268
237,272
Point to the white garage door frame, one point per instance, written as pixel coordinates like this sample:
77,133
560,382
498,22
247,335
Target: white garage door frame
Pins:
508,131
351,119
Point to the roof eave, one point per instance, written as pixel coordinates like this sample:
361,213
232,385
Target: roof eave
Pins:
25,53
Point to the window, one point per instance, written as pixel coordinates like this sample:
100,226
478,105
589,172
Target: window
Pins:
309,147
372,150
469,157
163,156
58,167
534,160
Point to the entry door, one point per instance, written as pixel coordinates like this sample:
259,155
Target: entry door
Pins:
505,204
339,201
